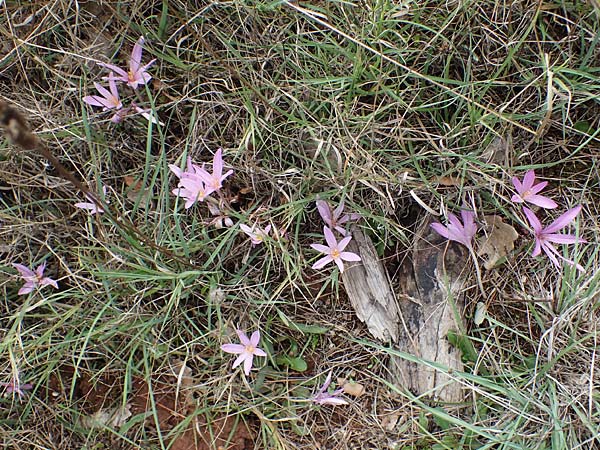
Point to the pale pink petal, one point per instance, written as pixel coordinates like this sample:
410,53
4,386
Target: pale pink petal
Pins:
337,212
528,180
136,55
537,249
542,201
324,211
259,352
333,401
563,220
95,100
322,262
533,220
329,237
343,243
176,170
516,198
27,288
340,264
349,256
113,88
517,183
25,271
538,187
47,281
255,339
563,238
218,163
243,357
233,348
248,365
320,248
440,229
243,338
122,73
40,270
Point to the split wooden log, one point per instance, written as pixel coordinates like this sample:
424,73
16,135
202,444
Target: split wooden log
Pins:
419,316
369,290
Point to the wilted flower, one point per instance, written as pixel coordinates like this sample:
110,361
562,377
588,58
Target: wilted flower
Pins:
334,251
456,231
257,234
545,237
107,99
334,219
14,386
137,74
527,191
322,397
91,206
34,279
247,350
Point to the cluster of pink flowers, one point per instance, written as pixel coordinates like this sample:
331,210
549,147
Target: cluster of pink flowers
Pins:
136,76
195,183
247,349
527,191
334,250
545,237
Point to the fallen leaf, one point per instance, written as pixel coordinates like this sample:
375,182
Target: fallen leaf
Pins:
136,191
354,389
389,421
447,181
499,240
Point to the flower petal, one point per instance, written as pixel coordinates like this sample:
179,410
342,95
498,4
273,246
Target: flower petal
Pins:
542,201
255,339
563,220
233,348
322,262
349,256
248,364
533,220
324,211
330,237
243,338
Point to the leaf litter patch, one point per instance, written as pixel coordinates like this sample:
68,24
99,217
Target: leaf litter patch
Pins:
99,398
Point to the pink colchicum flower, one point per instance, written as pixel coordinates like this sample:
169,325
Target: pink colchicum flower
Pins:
257,234
456,231
107,99
545,237
34,279
14,386
91,206
247,350
323,397
334,219
527,191
215,180
334,251
191,185
137,74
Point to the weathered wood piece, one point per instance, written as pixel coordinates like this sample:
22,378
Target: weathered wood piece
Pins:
369,290
419,316
431,303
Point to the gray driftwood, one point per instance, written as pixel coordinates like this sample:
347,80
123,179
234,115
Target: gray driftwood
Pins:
369,290
426,307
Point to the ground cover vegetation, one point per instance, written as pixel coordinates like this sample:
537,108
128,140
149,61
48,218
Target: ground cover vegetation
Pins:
178,185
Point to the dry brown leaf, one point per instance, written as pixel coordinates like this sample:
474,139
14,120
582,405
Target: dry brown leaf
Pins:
354,389
499,240
136,191
447,181
389,422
